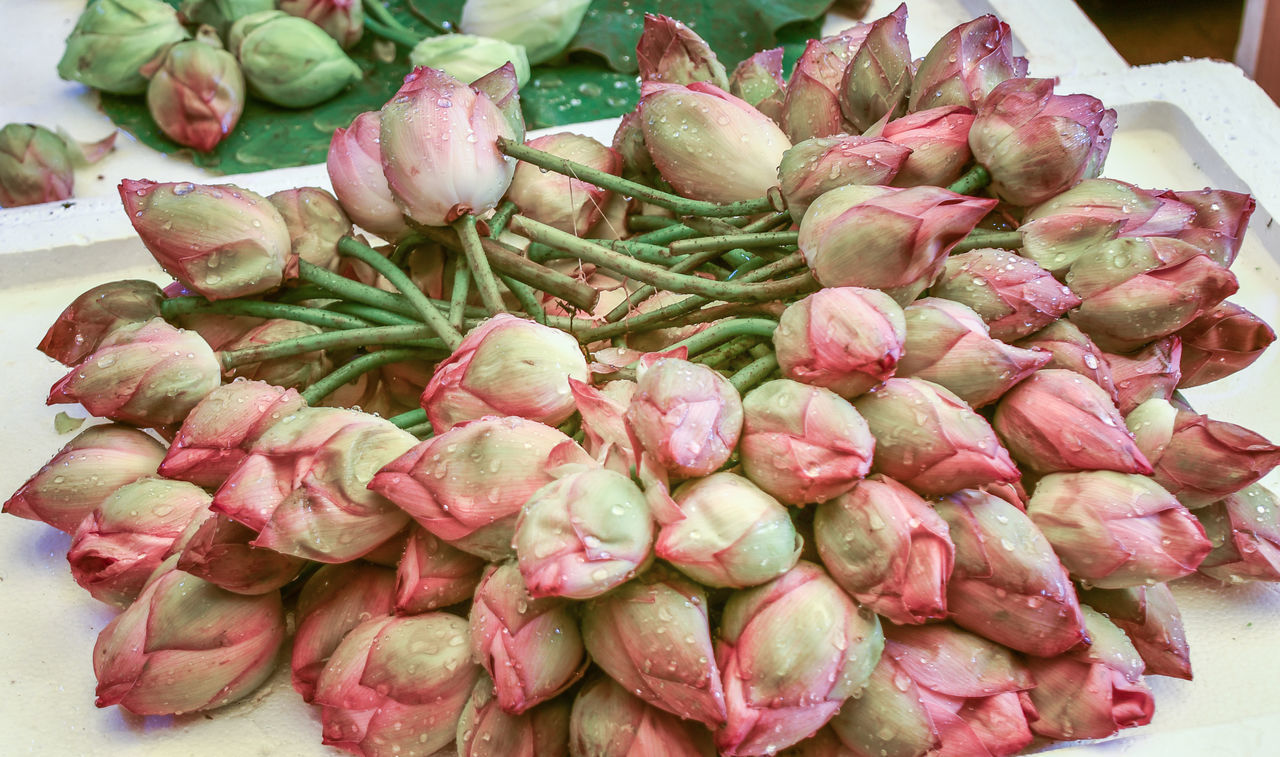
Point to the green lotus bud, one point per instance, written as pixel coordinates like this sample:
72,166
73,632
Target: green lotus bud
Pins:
241,28
290,61
221,14
113,39
543,27
467,58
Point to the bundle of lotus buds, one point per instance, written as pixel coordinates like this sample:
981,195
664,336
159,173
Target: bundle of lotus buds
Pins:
833,415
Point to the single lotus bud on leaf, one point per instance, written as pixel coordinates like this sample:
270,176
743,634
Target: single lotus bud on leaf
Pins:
671,52
817,165
607,721
355,171
544,29
569,204
878,77
1073,350
1149,616
82,326
334,600
466,57
1014,296
686,415
112,41
341,19
487,730
965,64
1244,529
431,574
1220,342
939,142
196,93
217,549
316,224
846,339
758,80
290,61
1153,372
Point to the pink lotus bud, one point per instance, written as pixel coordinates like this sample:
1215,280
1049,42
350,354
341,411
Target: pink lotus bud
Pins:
731,533
1152,372
583,534
502,87
434,128
708,144
878,77
219,240
847,339
1150,618
316,223
604,422
758,80
397,685
1199,460
652,636
218,550
431,574
888,549
215,329
818,165
530,647
486,730
888,718
774,700
671,52
147,374
1244,529
569,204
965,65
303,485
1221,218
84,473
947,343
811,107
930,440
628,143
295,371
803,443
117,546
220,429
355,170
1073,350
1013,295
186,645
1037,144
1220,342
82,326
1114,530
1058,420
686,415
336,599
35,166
196,93
467,485
607,721
939,142
341,19
896,240
506,366
1008,585
1092,691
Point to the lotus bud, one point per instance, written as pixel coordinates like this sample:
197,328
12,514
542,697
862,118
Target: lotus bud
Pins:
543,28
965,65
671,52
628,143
569,204
928,439
147,374
220,14
896,240
604,422
607,721
341,19
1058,420
878,78
295,371
431,574
888,718
1150,618
196,94
708,144
316,224
939,142
1008,585
461,127
35,166
220,241
355,170
186,645
117,546
1093,691
82,326
811,107
775,698
888,549
583,534
486,730
1073,350
1244,529
1221,218
530,647
113,40
846,339
1037,144
686,415
1220,342
303,485
758,80
947,343
1013,295
218,550
334,600
818,165
653,637
502,87
1152,372
397,685
1115,530
803,443
1199,460
290,61
466,57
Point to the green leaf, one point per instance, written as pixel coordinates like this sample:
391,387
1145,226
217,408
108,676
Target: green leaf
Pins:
559,95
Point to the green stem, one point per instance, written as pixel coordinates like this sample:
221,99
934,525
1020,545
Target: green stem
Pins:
343,288
430,315
649,253
979,238
639,222
303,292
724,331
666,236
407,39
458,293
755,372
418,335
645,292
354,369
607,180
528,298
383,14
406,246
409,418
731,241
371,314
728,351
498,221
974,179
422,430
465,226
179,306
